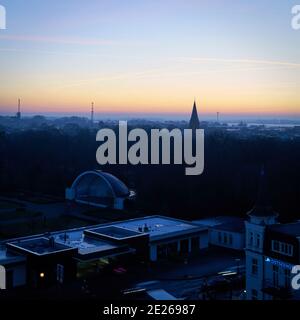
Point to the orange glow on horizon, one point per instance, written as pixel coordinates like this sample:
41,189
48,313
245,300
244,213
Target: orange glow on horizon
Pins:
146,108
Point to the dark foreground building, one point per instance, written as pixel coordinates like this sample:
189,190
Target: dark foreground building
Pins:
43,260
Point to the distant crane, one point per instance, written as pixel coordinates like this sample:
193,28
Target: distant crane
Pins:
92,113
18,114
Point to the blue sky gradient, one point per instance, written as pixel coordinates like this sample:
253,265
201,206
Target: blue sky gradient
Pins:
238,57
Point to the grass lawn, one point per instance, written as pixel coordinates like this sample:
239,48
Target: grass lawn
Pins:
39,226
6,216
7,205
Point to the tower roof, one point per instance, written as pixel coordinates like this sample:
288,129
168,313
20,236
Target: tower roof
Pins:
262,207
194,121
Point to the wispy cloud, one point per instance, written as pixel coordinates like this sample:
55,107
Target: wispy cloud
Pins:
240,61
120,76
65,40
163,73
47,52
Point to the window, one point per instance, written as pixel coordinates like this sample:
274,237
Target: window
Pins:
195,244
254,294
254,266
251,239
275,246
275,276
282,248
225,238
287,278
230,239
258,240
220,237
9,279
60,270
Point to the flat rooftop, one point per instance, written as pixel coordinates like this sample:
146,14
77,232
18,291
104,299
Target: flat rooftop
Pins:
114,232
159,226
84,243
68,240
39,246
8,258
292,229
226,223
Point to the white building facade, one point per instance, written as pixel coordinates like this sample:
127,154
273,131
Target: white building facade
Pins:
272,249
227,232
255,232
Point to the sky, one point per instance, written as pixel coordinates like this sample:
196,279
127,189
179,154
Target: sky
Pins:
150,57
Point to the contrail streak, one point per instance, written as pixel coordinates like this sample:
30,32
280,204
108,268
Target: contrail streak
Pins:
247,61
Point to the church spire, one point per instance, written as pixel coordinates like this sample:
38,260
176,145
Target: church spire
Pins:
194,121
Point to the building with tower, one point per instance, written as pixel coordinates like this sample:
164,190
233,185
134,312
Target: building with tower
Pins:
272,249
260,216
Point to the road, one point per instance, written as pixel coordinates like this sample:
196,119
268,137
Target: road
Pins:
183,280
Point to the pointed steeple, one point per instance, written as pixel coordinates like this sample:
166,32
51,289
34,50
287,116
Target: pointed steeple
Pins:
262,207
194,121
